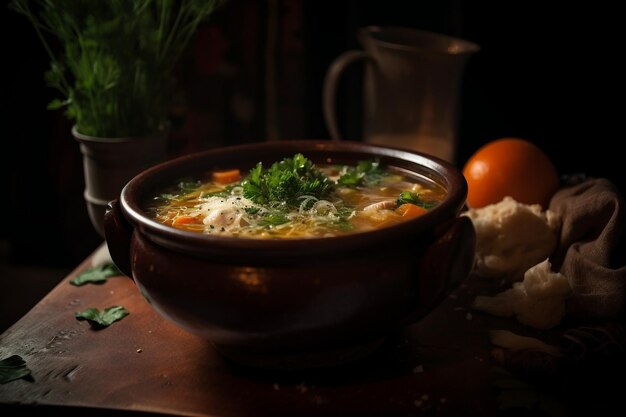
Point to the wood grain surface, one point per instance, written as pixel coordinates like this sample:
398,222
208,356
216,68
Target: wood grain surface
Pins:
144,365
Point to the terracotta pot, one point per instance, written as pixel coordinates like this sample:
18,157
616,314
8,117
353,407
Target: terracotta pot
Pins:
109,163
299,302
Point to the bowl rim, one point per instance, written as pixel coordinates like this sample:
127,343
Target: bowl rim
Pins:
437,169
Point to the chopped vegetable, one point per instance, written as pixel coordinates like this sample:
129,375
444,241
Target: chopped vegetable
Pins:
12,368
409,210
102,319
226,177
96,275
185,220
413,198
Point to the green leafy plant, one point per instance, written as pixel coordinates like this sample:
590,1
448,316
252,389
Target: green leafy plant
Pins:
113,60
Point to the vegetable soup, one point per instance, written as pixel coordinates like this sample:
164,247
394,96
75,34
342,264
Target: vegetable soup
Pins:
294,198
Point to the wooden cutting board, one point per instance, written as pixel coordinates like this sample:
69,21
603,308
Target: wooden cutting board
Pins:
144,364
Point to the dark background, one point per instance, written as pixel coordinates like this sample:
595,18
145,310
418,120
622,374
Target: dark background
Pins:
546,72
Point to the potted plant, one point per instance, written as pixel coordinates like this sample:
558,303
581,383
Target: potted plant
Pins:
113,62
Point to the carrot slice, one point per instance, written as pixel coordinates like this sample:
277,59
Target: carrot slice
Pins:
179,221
409,210
226,177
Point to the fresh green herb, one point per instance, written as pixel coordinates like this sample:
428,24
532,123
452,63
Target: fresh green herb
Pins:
414,198
341,224
102,319
273,219
252,210
188,185
365,173
285,181
254,187
224,192
13,368
115,59
96,275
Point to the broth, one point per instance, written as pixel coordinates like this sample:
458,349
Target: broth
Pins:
294,199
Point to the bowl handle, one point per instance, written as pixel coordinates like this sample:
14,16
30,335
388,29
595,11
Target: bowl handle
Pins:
445,263
118,232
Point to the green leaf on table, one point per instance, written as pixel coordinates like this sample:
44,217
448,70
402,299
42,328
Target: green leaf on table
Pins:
98,319
96,275
13,368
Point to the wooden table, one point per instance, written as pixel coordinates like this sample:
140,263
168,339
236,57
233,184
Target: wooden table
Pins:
144,364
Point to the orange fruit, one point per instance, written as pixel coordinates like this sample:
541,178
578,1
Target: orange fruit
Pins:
510,167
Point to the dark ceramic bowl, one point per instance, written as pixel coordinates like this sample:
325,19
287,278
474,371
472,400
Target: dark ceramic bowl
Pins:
298,302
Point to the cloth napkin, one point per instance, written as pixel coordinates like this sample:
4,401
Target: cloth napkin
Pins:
592,248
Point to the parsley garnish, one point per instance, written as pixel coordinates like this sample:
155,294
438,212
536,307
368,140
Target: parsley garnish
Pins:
187,185
227,191
12,368
102,319
273,219
96,275
364,173
252,210
413,198
285,181
341,224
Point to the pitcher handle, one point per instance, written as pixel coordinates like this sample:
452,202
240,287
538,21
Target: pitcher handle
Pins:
336,68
